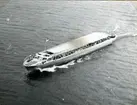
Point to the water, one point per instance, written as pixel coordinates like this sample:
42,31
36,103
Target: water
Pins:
105,77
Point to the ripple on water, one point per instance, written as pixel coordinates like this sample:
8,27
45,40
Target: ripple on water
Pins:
105,77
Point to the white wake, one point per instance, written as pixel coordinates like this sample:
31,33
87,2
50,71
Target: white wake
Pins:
126,35
64,66
53,68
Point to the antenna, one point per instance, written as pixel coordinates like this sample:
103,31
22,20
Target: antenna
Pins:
45,43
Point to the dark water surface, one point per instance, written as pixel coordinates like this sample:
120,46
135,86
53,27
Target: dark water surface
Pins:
109,77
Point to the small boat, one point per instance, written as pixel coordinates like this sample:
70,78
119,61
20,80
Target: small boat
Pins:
68,51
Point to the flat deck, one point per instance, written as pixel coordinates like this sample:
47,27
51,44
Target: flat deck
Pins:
76,43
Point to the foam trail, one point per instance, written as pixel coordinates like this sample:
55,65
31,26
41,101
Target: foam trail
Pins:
80,60
51,69
134,35
62,66
126,35
66,65
87,58
116,27
72,62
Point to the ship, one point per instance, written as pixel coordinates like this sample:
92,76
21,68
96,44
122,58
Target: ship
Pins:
68,51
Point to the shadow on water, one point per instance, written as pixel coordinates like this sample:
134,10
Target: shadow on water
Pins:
35,75
32,77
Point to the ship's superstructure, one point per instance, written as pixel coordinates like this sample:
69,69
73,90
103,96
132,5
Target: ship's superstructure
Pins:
70,50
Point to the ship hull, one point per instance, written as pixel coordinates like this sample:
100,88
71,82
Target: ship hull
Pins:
76,55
